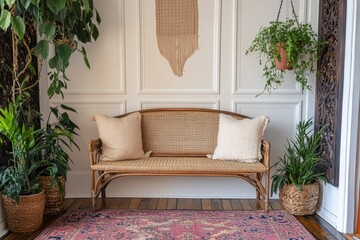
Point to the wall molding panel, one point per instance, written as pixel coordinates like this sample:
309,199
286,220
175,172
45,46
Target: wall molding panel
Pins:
188,103
216,35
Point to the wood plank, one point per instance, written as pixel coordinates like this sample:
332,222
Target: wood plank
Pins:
186,204
68,202
144,203
246,205
197,204
216,205
162,204
76,204
206,204
134,204
236,205
86,204
275,204
314,229
115,203
226,205
153,203
171,204
325,225
125,203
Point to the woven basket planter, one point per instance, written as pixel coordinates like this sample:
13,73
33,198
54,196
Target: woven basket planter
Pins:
298,202
27,216
54,203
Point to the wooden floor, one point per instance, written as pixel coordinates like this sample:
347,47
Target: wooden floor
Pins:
319,228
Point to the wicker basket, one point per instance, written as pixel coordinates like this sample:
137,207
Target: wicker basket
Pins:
27,216
298,202
54,202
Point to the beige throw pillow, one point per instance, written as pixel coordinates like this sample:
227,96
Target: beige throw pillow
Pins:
120,137
240,140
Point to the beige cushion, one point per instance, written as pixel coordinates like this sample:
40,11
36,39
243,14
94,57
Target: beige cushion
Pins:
240,139
120,137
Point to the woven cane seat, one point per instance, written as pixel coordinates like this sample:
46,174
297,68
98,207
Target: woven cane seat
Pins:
179,165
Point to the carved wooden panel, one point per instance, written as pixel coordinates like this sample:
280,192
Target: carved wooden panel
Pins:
6,79
329,83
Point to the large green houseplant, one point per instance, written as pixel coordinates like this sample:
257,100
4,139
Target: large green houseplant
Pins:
19,181
290,43
299,171
64,26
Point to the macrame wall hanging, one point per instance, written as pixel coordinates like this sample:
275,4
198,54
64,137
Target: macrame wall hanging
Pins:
177,31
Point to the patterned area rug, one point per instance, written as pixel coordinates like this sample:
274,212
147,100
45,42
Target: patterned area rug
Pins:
175,224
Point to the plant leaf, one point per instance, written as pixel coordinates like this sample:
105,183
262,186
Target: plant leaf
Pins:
49,29
5,19
56,5
64,52
98,18
10,2
42,49
25,3
86,60
18,25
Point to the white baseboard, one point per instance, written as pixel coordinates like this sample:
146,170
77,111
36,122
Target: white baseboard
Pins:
328,216
3,229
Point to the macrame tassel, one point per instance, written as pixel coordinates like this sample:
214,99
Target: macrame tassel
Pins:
177,31
177,49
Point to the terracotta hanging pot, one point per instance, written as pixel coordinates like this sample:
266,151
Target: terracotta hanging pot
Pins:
283,64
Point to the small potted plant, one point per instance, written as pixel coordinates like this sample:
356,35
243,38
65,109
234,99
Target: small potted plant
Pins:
56,137
286,45
299,171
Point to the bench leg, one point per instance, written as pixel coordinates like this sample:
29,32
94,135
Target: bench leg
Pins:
93,192
258,195
267,190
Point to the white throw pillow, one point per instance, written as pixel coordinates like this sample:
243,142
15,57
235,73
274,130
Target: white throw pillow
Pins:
120,137
240,140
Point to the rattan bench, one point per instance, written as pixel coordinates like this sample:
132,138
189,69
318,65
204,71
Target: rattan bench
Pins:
179,140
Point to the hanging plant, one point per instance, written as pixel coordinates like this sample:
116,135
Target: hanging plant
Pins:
297,42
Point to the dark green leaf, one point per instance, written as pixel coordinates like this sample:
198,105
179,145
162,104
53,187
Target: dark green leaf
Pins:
98,18
56,5
95,32
5,19
67,108
55,62
49,29
86,4
64,52
42,49
86,60
18,25
35,2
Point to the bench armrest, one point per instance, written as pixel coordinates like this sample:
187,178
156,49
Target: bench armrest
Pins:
95,147
265,151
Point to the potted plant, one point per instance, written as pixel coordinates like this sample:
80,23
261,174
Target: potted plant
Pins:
286,45
24,200
299,171
56,137
64,26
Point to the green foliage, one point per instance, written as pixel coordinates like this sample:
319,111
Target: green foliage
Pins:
19,179
302,51
65,25
57,137
301,163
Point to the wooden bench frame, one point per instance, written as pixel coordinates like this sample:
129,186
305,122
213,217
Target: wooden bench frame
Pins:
99,184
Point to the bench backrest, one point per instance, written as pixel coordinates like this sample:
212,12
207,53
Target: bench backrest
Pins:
181,132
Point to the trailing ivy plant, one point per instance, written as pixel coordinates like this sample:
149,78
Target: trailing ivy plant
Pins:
302,51
302,163
64,25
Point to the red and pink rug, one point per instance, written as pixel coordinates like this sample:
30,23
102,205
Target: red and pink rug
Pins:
175,224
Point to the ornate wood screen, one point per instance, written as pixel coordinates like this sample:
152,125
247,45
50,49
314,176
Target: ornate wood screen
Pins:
6,78
329,84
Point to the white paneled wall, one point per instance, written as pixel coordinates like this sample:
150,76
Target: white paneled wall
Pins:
128,73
